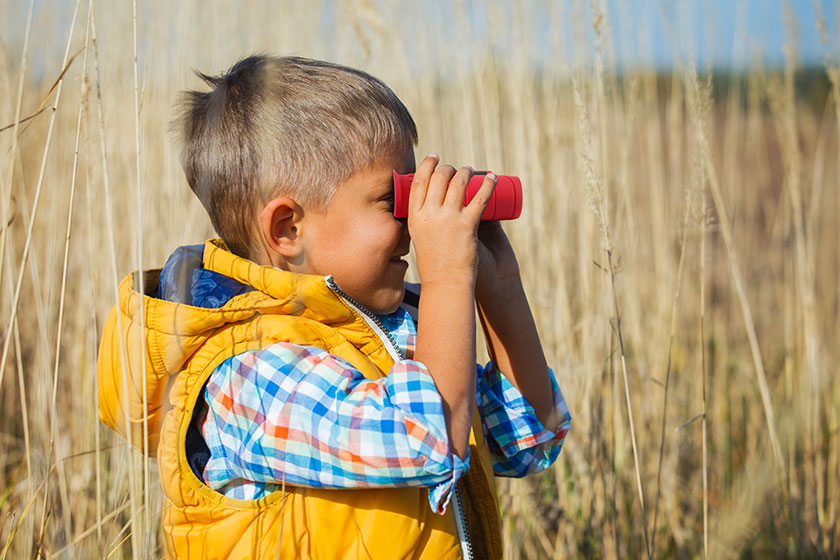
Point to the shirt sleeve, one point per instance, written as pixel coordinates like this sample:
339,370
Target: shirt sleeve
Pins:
301,415
519,444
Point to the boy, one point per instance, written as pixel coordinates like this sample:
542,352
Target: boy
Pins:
290,349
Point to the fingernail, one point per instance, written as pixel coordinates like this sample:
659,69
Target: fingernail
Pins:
434,155
491,176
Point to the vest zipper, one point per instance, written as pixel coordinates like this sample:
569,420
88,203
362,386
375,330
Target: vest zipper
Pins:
372,321
461,524
397,354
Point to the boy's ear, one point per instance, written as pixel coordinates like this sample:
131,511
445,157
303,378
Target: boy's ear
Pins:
279,222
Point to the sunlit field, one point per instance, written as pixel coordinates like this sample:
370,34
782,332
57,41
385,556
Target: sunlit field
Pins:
679,242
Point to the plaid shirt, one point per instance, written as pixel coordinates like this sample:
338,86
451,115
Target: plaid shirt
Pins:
301,414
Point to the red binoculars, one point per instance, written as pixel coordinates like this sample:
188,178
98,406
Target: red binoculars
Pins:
505,204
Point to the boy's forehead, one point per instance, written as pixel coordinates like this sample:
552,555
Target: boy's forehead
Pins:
381,182
383,168
372,180
378,176
384,179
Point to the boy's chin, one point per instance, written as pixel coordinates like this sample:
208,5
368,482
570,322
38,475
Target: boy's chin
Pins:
385,303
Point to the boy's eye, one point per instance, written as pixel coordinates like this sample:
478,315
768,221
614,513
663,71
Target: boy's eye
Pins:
389,200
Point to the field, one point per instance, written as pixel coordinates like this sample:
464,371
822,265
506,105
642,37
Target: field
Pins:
679,243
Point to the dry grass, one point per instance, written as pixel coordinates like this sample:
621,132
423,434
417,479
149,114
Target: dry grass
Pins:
705,212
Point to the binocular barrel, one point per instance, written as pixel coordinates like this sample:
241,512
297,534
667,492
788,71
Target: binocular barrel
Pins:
505,204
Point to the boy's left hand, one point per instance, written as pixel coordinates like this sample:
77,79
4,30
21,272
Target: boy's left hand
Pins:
497,266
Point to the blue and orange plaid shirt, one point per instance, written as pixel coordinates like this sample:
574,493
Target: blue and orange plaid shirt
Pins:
299,414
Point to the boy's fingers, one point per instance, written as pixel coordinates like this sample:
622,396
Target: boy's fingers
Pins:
420,183
482,196
458,188
439,184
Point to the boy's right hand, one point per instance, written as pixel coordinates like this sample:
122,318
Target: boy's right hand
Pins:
445,236
442,228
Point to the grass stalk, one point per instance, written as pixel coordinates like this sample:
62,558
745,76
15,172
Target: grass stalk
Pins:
792,158
737,278
23,515
142,311
89,281
115,284
24,400
52,416
704,410
673,332
66,259
7,196
596,195
27,118
834,451
24,418
24,408
90,530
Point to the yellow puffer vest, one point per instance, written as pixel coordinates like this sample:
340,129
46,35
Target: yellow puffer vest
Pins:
182,345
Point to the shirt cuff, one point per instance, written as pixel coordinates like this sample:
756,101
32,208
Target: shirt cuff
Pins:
419,403
511,420
441,494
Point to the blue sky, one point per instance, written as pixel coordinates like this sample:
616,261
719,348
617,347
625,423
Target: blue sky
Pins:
641,33
720,34
759,25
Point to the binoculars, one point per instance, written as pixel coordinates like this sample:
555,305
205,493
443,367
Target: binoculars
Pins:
504,204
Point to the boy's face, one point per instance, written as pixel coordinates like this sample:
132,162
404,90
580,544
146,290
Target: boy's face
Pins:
358,241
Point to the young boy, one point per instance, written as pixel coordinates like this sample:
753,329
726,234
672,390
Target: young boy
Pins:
296,360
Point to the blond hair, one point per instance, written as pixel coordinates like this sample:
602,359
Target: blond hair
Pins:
287,126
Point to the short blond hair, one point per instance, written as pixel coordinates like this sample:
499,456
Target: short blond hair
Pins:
287,126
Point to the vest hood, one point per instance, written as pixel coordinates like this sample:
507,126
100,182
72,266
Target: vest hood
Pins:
148,338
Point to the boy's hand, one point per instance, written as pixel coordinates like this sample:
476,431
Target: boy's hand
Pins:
444,232
442,228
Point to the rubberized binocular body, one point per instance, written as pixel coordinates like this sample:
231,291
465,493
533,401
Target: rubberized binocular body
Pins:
505,204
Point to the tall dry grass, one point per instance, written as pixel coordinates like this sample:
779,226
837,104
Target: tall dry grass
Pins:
679,243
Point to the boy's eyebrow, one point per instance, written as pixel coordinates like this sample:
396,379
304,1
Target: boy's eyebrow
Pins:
386,183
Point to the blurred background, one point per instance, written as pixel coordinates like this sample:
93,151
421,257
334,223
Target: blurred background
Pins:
679,245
